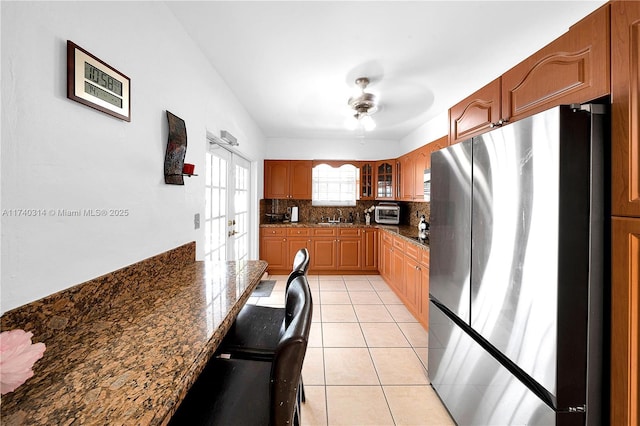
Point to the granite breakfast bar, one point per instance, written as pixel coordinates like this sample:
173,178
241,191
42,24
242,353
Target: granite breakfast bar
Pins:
134,361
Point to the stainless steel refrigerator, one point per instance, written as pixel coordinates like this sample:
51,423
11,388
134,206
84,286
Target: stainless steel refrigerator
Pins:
516,274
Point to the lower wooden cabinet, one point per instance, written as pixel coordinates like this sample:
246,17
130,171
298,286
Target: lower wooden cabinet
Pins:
405,267
625,321
331,249
274,248
369,249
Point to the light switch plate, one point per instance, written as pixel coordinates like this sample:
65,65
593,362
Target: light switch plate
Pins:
196,221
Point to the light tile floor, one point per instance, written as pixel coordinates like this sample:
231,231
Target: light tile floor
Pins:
367,356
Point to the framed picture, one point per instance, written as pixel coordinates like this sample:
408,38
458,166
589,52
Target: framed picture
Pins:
94,83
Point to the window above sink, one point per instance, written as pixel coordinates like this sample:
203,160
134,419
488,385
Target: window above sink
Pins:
335,186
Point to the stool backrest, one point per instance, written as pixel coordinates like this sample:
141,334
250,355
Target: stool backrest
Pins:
300,265
289,356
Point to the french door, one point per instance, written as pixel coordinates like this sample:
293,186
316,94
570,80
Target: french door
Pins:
227,190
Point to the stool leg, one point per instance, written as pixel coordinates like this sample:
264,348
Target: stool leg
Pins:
303,397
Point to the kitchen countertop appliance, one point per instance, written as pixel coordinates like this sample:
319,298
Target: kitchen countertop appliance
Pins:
516,273
387,213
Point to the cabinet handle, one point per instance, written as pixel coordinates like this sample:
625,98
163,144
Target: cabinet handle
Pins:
499,123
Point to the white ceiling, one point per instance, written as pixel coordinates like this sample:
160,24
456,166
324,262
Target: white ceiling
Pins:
293,64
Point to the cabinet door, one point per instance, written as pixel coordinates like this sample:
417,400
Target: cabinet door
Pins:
475,114
424,297
276,179
397,270
422,159
406,173
572,69
384,180
369,249
434,146
625,105
300,180
411,283
349,253
324,254
625,321
386,257
366,181
274,251
294,244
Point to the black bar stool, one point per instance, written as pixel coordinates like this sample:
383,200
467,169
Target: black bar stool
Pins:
255,392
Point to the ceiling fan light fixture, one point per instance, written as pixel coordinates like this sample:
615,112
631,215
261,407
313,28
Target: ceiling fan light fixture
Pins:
364,105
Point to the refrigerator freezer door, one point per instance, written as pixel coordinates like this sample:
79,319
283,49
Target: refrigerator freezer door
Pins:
450,241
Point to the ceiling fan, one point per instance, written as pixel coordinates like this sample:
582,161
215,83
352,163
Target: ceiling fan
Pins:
364,104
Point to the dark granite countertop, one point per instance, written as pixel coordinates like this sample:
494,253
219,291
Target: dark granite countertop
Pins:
134,364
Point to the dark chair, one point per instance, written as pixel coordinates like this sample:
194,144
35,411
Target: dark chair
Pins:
256,331
247,392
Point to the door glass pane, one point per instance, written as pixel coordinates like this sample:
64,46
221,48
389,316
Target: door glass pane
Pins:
227,206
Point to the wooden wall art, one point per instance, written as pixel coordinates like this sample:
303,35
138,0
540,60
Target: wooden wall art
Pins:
176,150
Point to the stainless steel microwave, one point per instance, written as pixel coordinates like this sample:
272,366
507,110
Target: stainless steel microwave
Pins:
387,213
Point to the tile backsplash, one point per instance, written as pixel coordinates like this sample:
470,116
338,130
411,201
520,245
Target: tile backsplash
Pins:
409,211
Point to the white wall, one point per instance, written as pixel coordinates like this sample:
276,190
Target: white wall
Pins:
59,154
427,133
334,149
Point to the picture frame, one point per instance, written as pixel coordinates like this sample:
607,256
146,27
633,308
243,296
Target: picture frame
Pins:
94,83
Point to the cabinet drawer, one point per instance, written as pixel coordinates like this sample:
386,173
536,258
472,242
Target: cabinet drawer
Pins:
424,257
411,250
274,232
386,237
398,243
324,232
349,232
298,232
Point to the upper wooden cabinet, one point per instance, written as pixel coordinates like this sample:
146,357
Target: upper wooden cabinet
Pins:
625,104
625,207
574,68
367,180
411,170
287,179
385,180
476,113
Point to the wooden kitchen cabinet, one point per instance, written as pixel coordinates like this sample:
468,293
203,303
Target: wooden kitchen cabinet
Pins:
625,321
574,68
349,249
369,249
405,267
274,248
386,251
625,206
411,167
297,239
397,265
625,108
324,249
287,179
411,278
476,113
385,189
405,173
423,312
367,181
